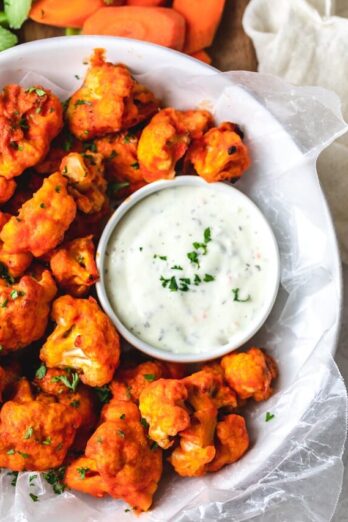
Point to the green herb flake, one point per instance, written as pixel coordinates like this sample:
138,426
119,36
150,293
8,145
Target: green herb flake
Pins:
176,267
33,497
75,404
36,90
128,137
57,188
115,187
82,472
207,235
123,416
207,278
269,416
32,478
121,433
13,474
193,257
235,292
4,274
149,377
144,422
23,455
202,246
41,372
47,442
173,285
135,165
16,293
72,385
55,478
10,452
29,432
82,102
162,258
197,280
154,446
104,394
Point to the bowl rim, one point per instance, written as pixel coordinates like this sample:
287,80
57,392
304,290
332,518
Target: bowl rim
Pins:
214,351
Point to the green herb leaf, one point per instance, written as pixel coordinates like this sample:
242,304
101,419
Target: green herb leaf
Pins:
115,187
123,416
149,377
17,12
121,433
104,394
82,102
33,497
144,422
47,442
10,452
41,372
82,472
72,385
75,404
208,278
32,478
235,292
207,235
176,267
16,293
135,165
203,246
7,39
197,280
55,478
173,285
269,416
13,474
163,258
4,274
72,31
193,257
154,446
29,432
37,90
24,455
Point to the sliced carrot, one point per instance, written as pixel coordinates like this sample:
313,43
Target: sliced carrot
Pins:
202,18
64,13
202,55
158,25
147,3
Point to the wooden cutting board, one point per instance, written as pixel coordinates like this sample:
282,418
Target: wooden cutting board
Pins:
232,49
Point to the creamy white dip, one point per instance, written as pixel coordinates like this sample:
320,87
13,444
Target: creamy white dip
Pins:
188,268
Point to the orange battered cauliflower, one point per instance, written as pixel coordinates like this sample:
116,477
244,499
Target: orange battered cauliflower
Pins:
250,373
42,220
82,475
12,264
232,441
35,432
140,106
29,120
7,189
166,139
163,407
24,310
219,154
84,339
86,182
73,266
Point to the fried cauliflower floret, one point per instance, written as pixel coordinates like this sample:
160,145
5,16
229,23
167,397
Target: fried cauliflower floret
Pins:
126,462
232,441
250,373
84,339
138,378
42,220
35,432
24,310
86,182
7,189
219,154
14,264
73,266
223,395
82,475
163,407
140,106
29,120
98,107
166,139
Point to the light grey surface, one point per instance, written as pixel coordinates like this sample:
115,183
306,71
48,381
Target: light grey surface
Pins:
342,361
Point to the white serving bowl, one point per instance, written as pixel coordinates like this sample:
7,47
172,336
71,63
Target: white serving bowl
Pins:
237,198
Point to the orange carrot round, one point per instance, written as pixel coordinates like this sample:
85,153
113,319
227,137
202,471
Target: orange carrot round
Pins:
158,25
147,3
202,19
202,55
64,13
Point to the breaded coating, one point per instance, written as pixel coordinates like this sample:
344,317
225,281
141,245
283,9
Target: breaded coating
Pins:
98,107
82,475
219,154
232,441
24,310
140,106
73,266
7,189
138,378
13,264
166,139
35,432
250,373
126,462
223,395
84,339
42,220
163,407
86,182
29,120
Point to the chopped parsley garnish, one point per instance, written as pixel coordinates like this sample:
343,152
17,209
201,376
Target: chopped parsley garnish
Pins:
269,416
115,187
55,478
121,433
197,280
29,432
72,385
123,416
41,372
47,442
68,143
207,235
149,377
82,472
90,145
176,267
104,394
144,422
11,452
193,257
4,274
128,137
235,292
82,102
129,392
23,123
33,497
4,303
75,404
203,246
135,165
38,91
32,478
163,258
13,474
16,293
207,278
154,446
24,455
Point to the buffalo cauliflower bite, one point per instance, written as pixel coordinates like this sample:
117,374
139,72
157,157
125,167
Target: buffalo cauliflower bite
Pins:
163,407
12,264
250,373
42,220
219,154
232,442
98,107
126,462
140,106
84,339
82,475
166,139
73,266
138,378
35,432
24,310
224,397
86,182
29,120
7,189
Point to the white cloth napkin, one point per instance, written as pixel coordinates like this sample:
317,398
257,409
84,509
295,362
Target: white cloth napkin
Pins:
303,42
306,43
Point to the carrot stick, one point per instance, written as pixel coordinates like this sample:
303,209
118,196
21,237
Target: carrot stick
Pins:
158,25
202,19
147,3
64,13
202,55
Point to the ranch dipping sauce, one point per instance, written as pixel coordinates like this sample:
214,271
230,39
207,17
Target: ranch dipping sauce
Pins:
188,268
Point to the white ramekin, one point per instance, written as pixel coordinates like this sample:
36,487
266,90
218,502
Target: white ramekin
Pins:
214,352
